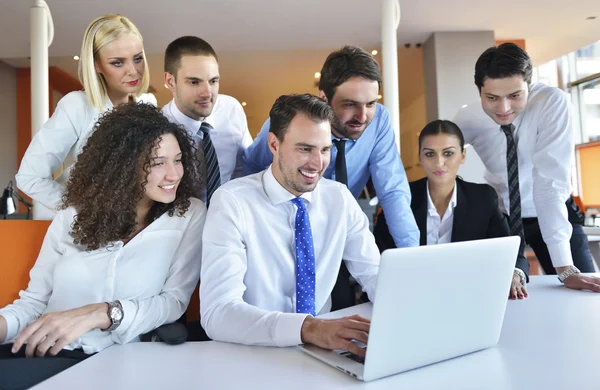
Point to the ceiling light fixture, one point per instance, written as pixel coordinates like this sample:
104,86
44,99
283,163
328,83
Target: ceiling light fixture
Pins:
317,75
76,58
374,52
244,104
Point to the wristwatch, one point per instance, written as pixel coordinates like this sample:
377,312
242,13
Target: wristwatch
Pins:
522,276
115,313
572,270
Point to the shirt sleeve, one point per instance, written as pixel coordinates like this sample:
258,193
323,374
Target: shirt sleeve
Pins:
360,253
48,150
143,315
224,314
391,186
245,141
257,156
552,159
34,300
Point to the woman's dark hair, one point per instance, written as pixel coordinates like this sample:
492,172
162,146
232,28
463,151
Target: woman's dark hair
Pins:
442,126
104,185
506,60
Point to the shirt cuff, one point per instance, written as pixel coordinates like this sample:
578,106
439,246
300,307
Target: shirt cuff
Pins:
129,310
560,254
288,329
12,326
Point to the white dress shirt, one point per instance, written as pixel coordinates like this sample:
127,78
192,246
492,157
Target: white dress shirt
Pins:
153,276
248,283
63,135
545,146
230,135
439,230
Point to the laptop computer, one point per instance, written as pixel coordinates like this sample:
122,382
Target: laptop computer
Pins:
432,303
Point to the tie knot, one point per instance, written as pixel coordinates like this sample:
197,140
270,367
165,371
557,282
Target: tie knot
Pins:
299,202
340,144
205,127
508,129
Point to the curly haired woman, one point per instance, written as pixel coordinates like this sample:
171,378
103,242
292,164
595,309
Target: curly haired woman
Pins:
120,259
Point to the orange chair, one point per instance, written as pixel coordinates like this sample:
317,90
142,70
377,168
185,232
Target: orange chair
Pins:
20,243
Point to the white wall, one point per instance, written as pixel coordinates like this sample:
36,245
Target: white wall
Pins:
449,63
8,124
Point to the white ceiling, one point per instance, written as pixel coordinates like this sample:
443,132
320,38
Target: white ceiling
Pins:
550,27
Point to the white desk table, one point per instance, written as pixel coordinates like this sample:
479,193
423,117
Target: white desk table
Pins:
535,352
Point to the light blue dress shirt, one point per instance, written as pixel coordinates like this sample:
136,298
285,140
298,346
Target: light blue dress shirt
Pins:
374,154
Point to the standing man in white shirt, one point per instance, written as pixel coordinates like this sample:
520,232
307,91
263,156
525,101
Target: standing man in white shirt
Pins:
524,136
217,122
276,240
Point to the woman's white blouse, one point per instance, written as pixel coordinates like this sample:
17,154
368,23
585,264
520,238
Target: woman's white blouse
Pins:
153,275
59,141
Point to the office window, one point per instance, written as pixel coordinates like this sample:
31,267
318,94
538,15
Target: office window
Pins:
589,109
546,73
588,60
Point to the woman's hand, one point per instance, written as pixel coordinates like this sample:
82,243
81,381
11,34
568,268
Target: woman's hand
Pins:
517,290
53,331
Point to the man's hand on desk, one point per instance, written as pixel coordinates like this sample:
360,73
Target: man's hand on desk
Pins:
517,290
583,282
337,334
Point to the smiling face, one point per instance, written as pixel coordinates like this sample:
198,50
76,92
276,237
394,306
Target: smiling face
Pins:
121,63
300,159
166,172
354,103
504,99
196,87
441,156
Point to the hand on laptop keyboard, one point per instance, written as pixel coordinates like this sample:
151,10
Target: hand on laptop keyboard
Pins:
337,333
356,358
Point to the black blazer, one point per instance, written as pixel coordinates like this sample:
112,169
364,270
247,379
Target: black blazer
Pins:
476,216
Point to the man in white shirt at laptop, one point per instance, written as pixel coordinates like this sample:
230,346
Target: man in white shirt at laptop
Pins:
276,239
523,133
217,122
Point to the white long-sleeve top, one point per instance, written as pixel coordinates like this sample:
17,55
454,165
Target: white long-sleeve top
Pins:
153,276
64,134
545,148
248,289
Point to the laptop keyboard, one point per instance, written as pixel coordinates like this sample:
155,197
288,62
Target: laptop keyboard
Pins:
353,356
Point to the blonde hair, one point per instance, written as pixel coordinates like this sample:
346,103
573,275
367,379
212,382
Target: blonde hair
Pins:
100,33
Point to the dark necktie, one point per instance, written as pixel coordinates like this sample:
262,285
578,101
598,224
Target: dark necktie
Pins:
515,222
305,260
341,174
213,174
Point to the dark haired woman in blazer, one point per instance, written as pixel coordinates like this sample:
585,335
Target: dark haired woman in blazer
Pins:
449,209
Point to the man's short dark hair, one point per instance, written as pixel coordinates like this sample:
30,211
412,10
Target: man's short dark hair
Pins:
286,107
506,60
186,46
343,64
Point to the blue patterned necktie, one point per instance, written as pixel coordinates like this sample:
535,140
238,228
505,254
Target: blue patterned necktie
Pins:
213,174
515,223
305,261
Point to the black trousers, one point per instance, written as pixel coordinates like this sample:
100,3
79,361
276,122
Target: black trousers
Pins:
19,372
582,258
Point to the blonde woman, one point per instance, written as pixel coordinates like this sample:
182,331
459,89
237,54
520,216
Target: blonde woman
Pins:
113,71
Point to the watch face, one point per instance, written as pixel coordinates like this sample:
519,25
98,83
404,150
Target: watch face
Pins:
116,314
